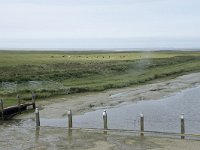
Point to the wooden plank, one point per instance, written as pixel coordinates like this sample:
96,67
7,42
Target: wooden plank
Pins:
11,111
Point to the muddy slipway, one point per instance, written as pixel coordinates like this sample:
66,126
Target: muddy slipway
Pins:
161,103
160,115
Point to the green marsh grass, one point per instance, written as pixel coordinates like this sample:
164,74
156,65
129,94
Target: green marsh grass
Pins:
60,73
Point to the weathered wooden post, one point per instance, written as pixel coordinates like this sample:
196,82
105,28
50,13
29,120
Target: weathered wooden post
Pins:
182,127
105,120
69,119
19,103
142,124
37,117
2,109
33,99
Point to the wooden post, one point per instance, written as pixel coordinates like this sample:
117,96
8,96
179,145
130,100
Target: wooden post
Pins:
182,127
2,109
19,103
142,124
37,117
69,119
105,120
33,100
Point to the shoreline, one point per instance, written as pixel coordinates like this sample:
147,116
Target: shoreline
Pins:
85,102
60,138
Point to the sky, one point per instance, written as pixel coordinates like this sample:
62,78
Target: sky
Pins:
99,24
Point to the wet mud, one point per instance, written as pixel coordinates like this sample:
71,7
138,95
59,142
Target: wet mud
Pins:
61,138
81,103
20,132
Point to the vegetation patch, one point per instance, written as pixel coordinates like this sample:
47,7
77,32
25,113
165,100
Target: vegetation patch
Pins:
59,73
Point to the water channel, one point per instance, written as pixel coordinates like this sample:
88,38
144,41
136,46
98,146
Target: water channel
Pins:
160,115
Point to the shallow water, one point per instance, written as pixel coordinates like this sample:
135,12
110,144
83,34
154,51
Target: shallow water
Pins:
160,115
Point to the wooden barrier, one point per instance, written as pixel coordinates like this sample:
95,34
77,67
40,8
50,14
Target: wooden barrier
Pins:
105,125
8,112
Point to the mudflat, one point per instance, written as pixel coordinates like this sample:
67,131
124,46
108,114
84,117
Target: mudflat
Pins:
84,102
20,133
59,138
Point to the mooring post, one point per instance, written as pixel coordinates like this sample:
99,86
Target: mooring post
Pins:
33,100
2,110
19,103
105,119
182,127
37,117
69,119
142,124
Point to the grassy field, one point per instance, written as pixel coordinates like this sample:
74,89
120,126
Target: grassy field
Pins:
58,73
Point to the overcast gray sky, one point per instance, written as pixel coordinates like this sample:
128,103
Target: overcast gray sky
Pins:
99,24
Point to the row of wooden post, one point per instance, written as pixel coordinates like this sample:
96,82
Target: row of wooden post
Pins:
182,125
19,101
18,104
105,123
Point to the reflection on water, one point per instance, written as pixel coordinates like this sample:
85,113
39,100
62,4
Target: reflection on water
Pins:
159,115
